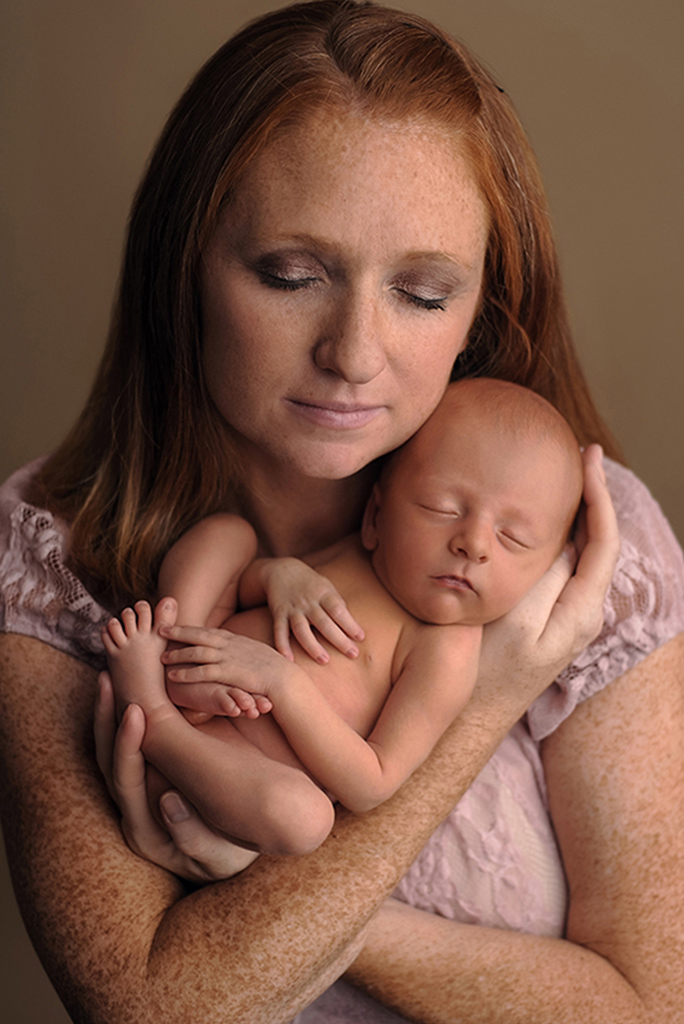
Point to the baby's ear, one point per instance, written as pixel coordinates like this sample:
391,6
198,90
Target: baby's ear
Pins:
369,532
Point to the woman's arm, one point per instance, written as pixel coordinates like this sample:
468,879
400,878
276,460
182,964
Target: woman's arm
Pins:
520,655
616,785
125,941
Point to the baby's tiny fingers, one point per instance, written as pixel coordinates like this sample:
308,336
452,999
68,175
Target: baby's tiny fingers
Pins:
205,655
281,637
333,634
196,674
301,628
339,613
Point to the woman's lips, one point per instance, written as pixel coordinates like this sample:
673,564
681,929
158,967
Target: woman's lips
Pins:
336,415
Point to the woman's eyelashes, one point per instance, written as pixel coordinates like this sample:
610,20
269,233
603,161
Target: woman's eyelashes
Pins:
286,284
421,302
305,273
290,274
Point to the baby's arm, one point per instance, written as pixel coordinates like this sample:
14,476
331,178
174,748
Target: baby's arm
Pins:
203,568
202,572
298,598
435,682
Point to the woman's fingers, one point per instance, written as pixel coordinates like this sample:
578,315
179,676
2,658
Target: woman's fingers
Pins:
563,612
104,727
207,854
581,602
202,855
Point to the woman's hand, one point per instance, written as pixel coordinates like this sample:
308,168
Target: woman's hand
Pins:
562,613
187,846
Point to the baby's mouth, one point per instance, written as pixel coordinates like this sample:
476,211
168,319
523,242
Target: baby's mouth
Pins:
455,582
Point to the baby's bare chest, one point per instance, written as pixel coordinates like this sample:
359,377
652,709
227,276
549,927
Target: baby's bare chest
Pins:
355,688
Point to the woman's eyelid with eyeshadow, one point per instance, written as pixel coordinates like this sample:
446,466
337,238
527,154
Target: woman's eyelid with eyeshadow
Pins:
431,283
293,267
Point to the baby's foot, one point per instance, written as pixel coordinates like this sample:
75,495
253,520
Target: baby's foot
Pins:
134,648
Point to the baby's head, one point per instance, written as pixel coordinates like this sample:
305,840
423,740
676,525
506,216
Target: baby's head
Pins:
474,509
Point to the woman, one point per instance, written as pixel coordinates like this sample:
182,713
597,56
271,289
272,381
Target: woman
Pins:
345,204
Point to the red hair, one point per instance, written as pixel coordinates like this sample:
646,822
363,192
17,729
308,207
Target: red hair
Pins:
150,455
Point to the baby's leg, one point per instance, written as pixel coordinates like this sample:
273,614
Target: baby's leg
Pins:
235,858
253,799
238,788
134,648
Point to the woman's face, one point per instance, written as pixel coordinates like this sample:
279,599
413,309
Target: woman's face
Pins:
337,291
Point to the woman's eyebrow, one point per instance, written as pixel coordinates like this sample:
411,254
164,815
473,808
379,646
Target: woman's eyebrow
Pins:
446,260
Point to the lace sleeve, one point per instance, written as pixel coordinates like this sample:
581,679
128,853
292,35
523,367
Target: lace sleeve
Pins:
39,595
644,607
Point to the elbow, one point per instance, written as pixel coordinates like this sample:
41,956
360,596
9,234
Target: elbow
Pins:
368,798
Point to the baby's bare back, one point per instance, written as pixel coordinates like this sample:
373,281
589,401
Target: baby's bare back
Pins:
355,688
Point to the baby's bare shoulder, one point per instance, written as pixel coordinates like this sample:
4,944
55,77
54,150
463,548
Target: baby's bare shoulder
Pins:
444,646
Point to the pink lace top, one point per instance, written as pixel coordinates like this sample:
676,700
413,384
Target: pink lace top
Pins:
494,861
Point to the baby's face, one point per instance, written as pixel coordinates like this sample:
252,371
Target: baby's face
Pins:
463,528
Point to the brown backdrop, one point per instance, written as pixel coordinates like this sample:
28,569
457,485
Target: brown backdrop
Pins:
85,86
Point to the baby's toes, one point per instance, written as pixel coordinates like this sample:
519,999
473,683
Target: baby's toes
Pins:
166,612
244,700
129,621
144,616
113,636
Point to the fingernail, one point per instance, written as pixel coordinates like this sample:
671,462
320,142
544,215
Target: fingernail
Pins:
353,652
173,808
323,659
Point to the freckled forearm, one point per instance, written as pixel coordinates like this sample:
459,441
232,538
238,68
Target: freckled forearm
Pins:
439,972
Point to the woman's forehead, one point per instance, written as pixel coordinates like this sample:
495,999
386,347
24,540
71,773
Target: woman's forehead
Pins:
406,184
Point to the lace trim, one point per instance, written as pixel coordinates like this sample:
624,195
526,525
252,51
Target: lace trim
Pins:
42,596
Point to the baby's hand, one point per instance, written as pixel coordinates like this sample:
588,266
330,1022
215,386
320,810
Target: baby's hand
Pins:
205,679
222,673
299,598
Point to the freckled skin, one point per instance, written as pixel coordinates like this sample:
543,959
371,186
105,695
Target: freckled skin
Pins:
616,778
126,944
254,949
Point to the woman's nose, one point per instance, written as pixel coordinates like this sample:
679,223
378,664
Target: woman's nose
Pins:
353,343
471,539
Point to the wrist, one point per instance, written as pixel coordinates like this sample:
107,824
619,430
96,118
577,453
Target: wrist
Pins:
285,685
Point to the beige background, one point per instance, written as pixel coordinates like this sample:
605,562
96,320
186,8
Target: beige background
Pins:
85,86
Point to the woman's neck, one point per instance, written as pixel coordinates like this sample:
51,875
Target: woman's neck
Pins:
296,517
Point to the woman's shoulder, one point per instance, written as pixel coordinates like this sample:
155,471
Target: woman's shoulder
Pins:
40,596
644,607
